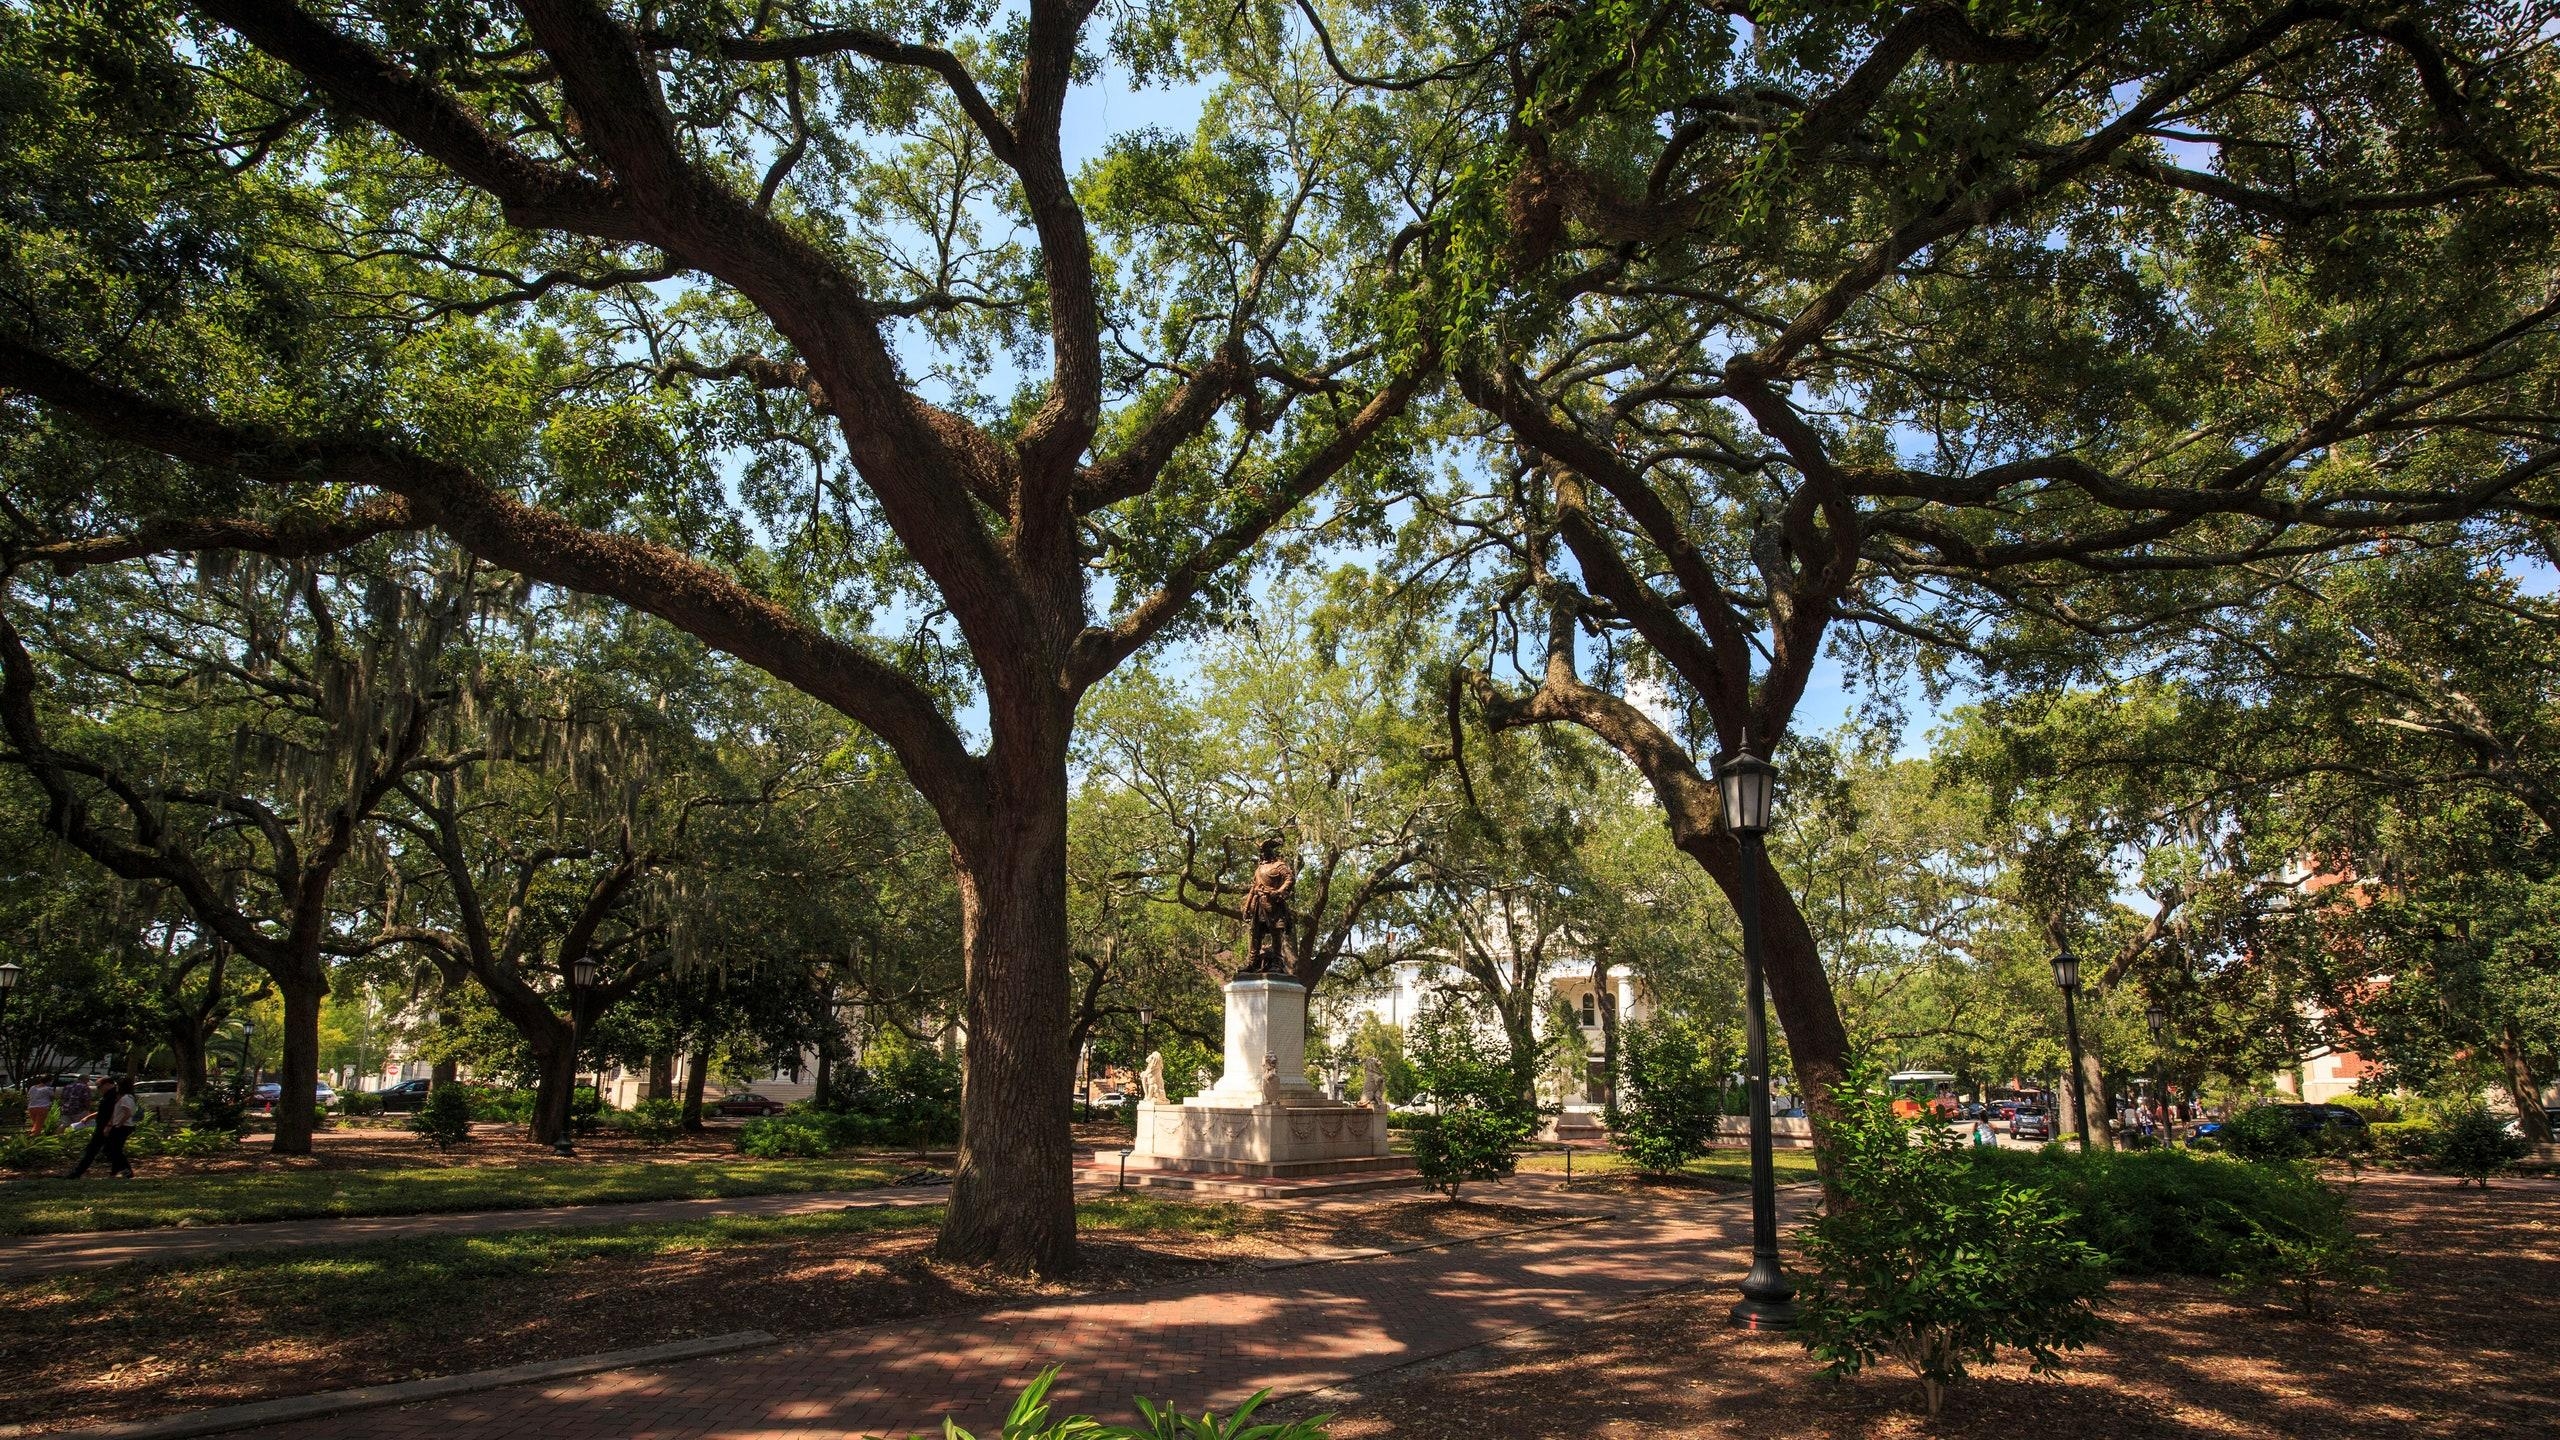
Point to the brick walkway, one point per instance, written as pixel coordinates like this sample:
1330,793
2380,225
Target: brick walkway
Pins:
1212,1342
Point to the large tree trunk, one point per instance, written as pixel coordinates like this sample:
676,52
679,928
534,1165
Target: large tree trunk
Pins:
555,1087
2524,1085
1013,1196
697,1068
298,1074
1799,988
2102,1104
186,1048
662,1076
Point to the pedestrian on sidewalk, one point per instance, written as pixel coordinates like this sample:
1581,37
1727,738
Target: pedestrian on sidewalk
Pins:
113,1126
39,1104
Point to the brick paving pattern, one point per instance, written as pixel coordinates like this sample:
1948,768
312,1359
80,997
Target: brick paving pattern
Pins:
1208,1343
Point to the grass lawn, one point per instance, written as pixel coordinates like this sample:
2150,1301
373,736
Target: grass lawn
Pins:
48,1207
149,1338
1721,1165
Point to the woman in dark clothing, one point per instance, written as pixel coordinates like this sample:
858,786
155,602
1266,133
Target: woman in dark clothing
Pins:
109,1131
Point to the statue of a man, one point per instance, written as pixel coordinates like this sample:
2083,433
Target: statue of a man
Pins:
1373,1083
1266,913
1155,1077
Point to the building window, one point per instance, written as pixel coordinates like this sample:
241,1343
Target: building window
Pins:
1590,1010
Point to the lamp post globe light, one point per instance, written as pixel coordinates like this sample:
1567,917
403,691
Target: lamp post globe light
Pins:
1747,785
2066,978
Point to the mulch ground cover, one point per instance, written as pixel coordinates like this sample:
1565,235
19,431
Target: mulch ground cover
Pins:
2460,1346
142,1340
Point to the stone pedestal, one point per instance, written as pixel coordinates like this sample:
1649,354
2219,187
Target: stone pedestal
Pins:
1263,1118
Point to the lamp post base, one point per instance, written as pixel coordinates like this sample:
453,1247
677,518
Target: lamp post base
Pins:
1750,1314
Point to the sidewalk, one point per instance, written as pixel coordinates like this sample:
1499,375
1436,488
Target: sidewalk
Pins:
1212,1342
27,1257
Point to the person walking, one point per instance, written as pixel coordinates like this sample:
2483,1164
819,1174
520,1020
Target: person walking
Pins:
39,1104
115,1109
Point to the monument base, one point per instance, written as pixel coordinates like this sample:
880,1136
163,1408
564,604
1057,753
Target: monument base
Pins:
1310,1138
1262,1120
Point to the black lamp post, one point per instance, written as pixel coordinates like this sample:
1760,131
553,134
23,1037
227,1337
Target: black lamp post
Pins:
9,973
582,974
1746,783
2158,1019
2066,975
246,1062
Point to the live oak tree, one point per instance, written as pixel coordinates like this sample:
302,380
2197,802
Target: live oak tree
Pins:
775,322
229,736
1961,337
1309,723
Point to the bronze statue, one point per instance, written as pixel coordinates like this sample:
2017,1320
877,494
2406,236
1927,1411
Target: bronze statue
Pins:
1266,914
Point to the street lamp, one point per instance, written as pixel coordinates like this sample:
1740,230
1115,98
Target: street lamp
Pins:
1746,784
2158,1018
582,974
9,973
247,1063
2066,977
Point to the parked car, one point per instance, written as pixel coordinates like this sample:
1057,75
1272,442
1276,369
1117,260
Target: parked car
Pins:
269,1093
1114,1099
157,1097
406,1096
2028,1122
2312,1119
747,1102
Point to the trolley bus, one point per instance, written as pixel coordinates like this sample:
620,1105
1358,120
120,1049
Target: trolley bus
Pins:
1918,1091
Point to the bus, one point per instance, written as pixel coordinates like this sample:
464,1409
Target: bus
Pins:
1916,1091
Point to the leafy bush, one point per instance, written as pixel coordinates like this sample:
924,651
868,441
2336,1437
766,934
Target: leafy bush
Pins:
2473,1144
2304,1258
192,1143
2407,1141
1933,1261
506,1106
1674,1105
1485,1117
651,1122
223,1104
775,1137
2376,1109
1029,1420
446,1116
360,1102
21,1151
2265,1133
2252,1226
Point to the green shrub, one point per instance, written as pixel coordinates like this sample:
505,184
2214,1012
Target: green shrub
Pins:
223,1104
2407,1142
775,1137
2276,1227
21,1151
360,1102
2474,1144
192,1143
446,1117
1673,1104
2305,1256
2376,1109
652,1122
2265,1133
1030,1420
1484,1117
513,1107
1932,1260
